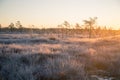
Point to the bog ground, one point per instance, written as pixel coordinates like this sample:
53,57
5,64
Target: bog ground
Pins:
55,57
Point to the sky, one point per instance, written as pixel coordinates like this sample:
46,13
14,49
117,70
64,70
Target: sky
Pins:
50,13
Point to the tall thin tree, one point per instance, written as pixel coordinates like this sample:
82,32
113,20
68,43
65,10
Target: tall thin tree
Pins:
90,23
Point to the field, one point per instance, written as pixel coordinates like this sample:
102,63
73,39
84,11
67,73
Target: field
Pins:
52,57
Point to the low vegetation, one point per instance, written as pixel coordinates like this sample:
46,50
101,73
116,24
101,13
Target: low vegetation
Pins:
50,57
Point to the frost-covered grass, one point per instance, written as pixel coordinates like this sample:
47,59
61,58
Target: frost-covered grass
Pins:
51,57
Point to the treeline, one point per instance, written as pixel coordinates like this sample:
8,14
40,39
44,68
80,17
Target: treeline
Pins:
98,32
90,28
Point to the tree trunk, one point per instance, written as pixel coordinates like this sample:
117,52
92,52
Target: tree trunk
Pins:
90,31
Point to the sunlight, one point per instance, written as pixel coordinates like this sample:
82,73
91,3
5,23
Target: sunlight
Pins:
59,39
52,13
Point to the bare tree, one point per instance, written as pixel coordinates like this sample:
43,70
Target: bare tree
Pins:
90,23
11,26
77,26
18,24
66,24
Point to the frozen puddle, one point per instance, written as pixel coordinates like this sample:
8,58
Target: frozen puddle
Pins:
95,77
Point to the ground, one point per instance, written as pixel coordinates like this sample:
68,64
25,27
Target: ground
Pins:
56,57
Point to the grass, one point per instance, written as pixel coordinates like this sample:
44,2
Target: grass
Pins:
71,58
41,67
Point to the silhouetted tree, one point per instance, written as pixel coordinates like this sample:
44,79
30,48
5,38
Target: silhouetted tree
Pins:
18,24
11,26
90,23
0,27
77,26
66,24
